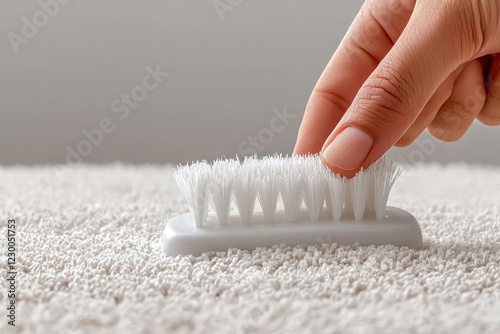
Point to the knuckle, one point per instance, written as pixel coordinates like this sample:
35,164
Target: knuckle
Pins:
488,12
470,28
384,100
444,134
369,30
450,119
379,115
336,99
464,21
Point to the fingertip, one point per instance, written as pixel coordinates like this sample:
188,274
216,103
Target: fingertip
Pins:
346,153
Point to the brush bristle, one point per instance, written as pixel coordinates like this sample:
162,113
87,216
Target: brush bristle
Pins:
284,182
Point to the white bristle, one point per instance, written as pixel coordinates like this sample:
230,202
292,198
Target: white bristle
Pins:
291,193
314,190
293,180
385,174
370,192
245,189
359,189
194,181
337,189
348,210
328,198
268,188
221,188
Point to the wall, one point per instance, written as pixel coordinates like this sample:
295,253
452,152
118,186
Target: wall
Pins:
230,76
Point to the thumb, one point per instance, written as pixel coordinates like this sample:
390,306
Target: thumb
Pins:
429,49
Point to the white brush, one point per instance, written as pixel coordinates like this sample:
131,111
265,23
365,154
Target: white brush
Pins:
274,199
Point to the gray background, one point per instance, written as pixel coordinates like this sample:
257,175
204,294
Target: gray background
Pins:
226,77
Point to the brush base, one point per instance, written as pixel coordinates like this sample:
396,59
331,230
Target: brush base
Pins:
181,236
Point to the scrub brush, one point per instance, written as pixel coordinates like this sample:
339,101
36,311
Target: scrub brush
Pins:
261,202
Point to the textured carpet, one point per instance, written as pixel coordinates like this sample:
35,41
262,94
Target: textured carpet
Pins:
89,261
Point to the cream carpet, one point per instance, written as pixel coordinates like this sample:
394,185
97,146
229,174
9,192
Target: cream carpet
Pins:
89,262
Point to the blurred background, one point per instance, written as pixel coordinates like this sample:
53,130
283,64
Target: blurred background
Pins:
173,81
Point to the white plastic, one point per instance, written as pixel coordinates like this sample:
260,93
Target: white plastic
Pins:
181,236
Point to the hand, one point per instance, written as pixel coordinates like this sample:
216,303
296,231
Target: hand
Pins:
404,66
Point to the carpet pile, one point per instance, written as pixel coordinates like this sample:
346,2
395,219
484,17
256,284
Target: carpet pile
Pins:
88,260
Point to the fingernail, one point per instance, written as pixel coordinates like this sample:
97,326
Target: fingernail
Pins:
349,149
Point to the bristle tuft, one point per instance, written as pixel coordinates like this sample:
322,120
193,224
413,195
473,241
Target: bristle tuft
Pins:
221,188
291,191
336,190
359,190
314,179
245,189
268,187
193,181
385,174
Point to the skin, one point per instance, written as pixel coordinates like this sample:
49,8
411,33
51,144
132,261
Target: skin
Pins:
405,66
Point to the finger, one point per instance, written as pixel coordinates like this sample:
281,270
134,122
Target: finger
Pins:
430,110
466,101
490,115
395,93
370,37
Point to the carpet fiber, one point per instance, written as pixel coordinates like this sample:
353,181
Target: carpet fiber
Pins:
89,261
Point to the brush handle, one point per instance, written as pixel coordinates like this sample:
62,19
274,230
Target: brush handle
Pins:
398,228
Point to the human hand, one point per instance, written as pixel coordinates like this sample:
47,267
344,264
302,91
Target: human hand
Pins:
404,66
